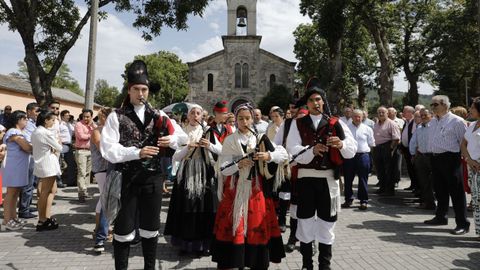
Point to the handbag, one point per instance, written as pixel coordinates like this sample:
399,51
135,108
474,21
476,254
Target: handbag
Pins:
112,194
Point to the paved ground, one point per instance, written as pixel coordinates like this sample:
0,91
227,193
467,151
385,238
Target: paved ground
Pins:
390,235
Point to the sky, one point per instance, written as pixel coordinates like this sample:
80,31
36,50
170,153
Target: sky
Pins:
118,41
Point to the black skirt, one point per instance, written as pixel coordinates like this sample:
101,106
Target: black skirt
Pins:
192,219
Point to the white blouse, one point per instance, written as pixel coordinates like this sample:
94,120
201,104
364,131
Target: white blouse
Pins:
473,141
45,153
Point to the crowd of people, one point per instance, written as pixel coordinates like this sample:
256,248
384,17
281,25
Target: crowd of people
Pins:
237,176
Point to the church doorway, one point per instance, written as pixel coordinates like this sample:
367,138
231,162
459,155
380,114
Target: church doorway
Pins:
237,103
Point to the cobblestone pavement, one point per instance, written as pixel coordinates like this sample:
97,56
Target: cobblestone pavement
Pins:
389,235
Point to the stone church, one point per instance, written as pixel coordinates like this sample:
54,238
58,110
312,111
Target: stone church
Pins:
242,71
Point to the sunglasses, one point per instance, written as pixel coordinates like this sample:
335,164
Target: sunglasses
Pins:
55,108
315,99
434,104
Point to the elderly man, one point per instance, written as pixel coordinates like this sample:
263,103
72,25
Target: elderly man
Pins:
260,124
445,136
347,115
366,121
360,163
407,131
397,157
387,137
421,158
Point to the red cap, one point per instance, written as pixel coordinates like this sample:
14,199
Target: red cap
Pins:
220,106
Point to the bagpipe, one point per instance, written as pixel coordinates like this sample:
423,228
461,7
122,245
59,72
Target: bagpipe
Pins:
321,139
159,130
260,143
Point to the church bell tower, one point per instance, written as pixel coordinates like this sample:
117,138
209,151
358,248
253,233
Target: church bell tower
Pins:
242,17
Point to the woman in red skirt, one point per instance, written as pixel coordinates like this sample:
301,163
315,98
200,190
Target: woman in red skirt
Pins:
246,227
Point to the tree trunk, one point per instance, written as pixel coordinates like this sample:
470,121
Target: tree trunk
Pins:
385,92
411,98
362,93
335,90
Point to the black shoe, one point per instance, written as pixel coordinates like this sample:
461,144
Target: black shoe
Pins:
26,215
32,209
290,247
436,221
99,248
461,230
379,191
346,205
182,253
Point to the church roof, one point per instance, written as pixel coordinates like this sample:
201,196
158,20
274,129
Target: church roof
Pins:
206,58
285,61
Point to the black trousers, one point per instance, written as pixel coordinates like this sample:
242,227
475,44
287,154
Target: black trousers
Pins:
141,193
385,165
423,169
447,181
410,166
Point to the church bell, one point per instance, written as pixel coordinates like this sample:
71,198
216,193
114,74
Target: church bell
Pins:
242,22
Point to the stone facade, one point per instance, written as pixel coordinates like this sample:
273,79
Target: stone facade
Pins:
241,72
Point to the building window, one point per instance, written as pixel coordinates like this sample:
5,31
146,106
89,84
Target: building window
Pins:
238,76
245,75
210,82
241,75
272,80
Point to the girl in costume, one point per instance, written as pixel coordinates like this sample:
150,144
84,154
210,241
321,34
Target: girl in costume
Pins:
194,199
246,227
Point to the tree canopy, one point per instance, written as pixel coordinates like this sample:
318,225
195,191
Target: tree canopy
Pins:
50,28
279,95
105,94
166,69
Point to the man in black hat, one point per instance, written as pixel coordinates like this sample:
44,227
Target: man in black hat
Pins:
133,138
318,143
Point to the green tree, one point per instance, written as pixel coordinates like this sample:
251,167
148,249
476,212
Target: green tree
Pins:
50,28
279,95
105,94
329,17
166,69
457,60
414,51
63,79
377,18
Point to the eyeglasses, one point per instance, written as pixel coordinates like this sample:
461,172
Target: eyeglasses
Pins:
317,99
434,104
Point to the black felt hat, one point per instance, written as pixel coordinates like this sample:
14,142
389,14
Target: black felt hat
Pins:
313,87
137,74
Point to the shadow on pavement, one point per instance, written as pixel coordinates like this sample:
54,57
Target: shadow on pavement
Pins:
472,264
417,234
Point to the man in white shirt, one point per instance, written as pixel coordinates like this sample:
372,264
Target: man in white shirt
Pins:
407,131
134,138
347,115
259,124
360,163
397,157
66,134
317,142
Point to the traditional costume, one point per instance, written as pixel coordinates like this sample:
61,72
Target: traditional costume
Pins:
221,130
125,133
246,228
194,200
318,190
